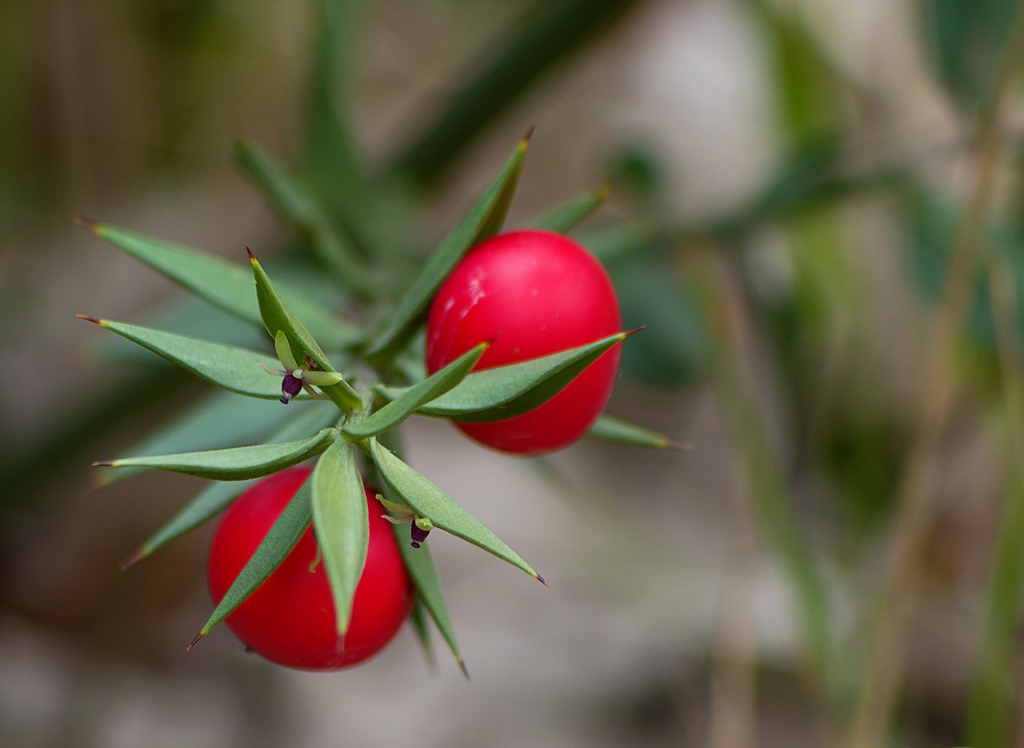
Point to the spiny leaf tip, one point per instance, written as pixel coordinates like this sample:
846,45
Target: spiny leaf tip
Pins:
87,224
134,558
195,641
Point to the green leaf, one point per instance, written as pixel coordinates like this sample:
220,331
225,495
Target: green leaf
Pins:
429,501
617,430
418,561
341,524
483,221
418,619
332,156
414,397
424,575
235,369
218,495
277,316
184,314
205,505
282,537
506,391
564,217
300,208
503,189
966,40
286,193
234,463
224,284
222,419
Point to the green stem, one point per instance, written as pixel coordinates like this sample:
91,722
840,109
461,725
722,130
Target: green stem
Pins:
988,723
346,398
767,493
898,601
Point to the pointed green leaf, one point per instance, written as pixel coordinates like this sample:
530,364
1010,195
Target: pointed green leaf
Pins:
329,149
222,419
615,429
278,317
564,217
412,398
234,463
299,207
224,284
332,158
289,196
235,369
483,221
340,521
207,504
429,501
428,587
183,314
506,391
420,564
418,619
504,189
418,561
282,537
218,495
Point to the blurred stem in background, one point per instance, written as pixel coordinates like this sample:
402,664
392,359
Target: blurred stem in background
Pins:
900,596
990,712
734,671
768,498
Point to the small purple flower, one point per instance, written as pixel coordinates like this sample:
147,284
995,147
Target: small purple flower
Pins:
291,387
297,378
420,526
418,534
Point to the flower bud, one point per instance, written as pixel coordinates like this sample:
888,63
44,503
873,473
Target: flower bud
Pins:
291,387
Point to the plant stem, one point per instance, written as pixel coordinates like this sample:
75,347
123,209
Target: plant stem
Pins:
988,719
346,398
734,679
768,495
916,494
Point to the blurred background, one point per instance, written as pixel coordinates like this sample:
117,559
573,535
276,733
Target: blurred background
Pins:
816,213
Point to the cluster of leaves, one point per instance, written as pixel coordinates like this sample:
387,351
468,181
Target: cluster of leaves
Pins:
372,384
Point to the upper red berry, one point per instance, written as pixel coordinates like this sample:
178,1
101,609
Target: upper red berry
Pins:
532,293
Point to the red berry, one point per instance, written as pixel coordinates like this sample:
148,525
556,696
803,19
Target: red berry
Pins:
290,618
532,293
